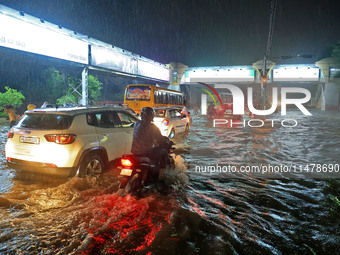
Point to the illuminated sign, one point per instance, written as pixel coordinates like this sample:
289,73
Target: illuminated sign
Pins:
113,59
296,73
138,93
219,75
21,35
153,70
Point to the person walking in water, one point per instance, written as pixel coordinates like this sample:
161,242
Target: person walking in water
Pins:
211,110
195,109
11,114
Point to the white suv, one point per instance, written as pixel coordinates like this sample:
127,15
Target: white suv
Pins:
67,141
170,121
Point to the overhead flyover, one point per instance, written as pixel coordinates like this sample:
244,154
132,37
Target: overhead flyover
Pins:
23,32
252,74
318,78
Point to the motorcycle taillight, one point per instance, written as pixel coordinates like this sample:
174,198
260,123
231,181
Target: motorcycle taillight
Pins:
126,162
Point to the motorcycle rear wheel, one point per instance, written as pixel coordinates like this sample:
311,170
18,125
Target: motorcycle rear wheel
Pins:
123,182
135,185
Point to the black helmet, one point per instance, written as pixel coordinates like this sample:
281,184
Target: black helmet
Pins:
147,113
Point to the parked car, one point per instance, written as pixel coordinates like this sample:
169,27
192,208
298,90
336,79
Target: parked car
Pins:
69,141
170,121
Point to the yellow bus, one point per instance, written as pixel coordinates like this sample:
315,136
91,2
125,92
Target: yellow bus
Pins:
138,96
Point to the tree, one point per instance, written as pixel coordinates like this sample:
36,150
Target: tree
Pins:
336,55
74,92
54,84
336,51
94,88
10,97
326,52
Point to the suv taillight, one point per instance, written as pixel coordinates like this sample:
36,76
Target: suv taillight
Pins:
10,134
60,139
165,122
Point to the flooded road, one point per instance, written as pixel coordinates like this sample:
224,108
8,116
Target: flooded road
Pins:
190,212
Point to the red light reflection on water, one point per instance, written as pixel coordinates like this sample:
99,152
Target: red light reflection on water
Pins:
195,208
121,225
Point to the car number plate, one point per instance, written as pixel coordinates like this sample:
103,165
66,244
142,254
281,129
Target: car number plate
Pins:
29,139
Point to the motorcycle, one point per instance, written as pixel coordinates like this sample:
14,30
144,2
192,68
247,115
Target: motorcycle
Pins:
139,171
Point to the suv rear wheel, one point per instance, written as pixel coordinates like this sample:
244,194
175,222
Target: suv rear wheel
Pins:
92,165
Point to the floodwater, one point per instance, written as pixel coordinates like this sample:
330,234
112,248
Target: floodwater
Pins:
190,211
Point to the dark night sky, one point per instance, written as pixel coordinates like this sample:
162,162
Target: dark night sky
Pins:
198,32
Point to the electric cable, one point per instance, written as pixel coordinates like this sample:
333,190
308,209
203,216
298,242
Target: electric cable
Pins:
271,27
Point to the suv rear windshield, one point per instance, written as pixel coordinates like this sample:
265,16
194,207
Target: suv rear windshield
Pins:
45,121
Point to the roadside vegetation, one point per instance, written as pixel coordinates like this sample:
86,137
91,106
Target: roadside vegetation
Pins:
336,55
59,89
10,97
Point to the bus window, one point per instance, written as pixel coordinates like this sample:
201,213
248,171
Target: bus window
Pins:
163,98
166,98
156,97
159,97
176,99
171,98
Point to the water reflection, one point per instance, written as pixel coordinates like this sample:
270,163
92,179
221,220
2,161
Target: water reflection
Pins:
257,214
47,215
208,214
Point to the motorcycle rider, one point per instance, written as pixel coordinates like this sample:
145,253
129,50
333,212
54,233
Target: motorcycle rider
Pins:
211,110
146,136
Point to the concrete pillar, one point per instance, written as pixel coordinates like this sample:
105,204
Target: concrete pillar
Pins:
84,83
324,65
331,86
332,90
204,104
318,101
177,71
